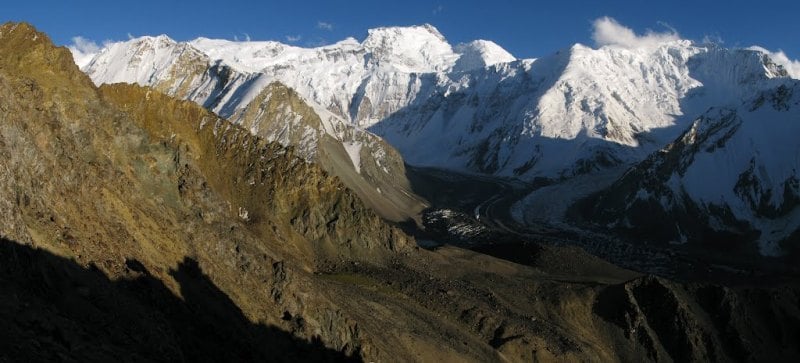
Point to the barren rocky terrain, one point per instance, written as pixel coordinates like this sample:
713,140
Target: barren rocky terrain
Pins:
138,227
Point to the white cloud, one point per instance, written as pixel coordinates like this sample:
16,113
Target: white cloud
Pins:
294,38
438,9
246,37
713,39
668,26
608,31
83,50
324,25
779,57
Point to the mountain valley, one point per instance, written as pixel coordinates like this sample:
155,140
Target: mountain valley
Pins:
396,199
575,121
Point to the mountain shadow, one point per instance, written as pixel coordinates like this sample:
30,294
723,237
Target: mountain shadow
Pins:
53,309
652,201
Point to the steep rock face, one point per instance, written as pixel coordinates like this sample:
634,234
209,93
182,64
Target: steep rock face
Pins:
731,177
364,163
688,322
577,118
361,83
577,111
54,309
139,227
260,104
127,174
259,180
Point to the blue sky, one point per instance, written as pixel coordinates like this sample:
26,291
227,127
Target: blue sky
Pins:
525,28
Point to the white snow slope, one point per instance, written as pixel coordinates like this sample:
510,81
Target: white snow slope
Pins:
220,76
734,172
472,107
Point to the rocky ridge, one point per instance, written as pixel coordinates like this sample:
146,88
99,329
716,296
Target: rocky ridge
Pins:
267,108
141,227
730,179
576,119
576,111
124,176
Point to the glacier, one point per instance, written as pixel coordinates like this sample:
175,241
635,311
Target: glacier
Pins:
582,113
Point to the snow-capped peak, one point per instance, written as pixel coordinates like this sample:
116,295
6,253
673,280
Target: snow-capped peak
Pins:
247,56
414,49
627,97
480,53
139,60
791,67
472,107
393,33
158,41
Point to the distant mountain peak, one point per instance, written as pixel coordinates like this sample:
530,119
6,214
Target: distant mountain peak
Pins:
402,76
419,29
479,54
155,41
410,49
32,51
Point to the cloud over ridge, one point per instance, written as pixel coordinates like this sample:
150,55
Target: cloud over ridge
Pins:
607,31
792,66
83,50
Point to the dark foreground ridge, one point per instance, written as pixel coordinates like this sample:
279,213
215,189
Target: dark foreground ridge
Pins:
183,237
52,309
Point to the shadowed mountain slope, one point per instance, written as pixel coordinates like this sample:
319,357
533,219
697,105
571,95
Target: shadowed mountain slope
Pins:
53,309
136,225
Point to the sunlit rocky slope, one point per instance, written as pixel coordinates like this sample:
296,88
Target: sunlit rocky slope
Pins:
581,116
139,227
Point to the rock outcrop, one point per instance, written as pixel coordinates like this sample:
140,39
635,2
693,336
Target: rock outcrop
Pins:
140,227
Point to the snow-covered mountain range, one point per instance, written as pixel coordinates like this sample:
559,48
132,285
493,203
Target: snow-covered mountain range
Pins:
729,179
472,107
265,106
